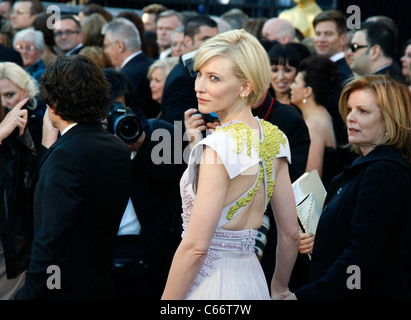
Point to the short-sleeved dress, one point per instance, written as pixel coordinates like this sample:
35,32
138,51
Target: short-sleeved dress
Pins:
231,269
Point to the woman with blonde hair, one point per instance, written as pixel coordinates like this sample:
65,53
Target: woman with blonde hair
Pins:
231,177
15,85
157,75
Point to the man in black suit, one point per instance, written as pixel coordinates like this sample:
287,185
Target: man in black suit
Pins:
373,50
122,44
329,40
178,94
68,35
80,190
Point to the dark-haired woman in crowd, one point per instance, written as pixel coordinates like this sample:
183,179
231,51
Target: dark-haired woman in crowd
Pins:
317,77
284,60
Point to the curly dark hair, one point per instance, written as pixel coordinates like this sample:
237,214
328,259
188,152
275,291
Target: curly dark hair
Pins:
76,88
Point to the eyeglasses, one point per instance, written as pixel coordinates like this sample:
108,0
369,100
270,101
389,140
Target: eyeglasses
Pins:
355,46
66,33
31,48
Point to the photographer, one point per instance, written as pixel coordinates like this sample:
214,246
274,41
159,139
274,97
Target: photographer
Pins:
149,232
17,160
15,85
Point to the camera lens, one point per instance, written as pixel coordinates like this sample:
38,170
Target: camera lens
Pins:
124,123
129,129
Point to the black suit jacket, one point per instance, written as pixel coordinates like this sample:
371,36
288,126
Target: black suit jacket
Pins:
344,70
10,55
81,192
362,225
394,71
178,94
340,129
136,70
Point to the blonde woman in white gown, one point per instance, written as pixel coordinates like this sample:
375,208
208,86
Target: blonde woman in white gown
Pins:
231,177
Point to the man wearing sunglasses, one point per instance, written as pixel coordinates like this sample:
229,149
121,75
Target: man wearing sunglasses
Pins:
68,35
373,49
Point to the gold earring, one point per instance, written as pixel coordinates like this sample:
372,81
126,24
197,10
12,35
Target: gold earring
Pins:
243,96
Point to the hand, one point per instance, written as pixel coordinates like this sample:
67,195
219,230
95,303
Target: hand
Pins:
15,118
285,295
135,146
194,120
212,125
306,243
50,133
194,124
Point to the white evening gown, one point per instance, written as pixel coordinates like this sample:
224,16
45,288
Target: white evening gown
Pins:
231,270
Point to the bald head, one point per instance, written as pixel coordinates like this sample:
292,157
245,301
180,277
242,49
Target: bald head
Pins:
278,29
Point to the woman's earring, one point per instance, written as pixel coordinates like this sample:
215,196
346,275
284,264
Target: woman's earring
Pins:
304,100
243,96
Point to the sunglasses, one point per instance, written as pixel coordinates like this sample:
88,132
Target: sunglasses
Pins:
355,46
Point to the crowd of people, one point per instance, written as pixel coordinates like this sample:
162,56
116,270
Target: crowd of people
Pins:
260,103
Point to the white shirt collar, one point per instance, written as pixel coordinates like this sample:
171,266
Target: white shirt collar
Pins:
126,60
337,56
165,53
68,128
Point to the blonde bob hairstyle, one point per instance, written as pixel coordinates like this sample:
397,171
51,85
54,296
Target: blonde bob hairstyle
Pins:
167,64
394,100
21,79
250,59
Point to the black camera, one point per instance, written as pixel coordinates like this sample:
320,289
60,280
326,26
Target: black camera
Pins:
188,61
124,123
209,117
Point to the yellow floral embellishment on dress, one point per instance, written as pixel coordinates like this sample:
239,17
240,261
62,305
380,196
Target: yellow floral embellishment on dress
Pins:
267,149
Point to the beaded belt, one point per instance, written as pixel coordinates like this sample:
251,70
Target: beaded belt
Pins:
227,240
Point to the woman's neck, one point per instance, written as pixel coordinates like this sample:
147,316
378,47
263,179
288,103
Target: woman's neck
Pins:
244,115
309,108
